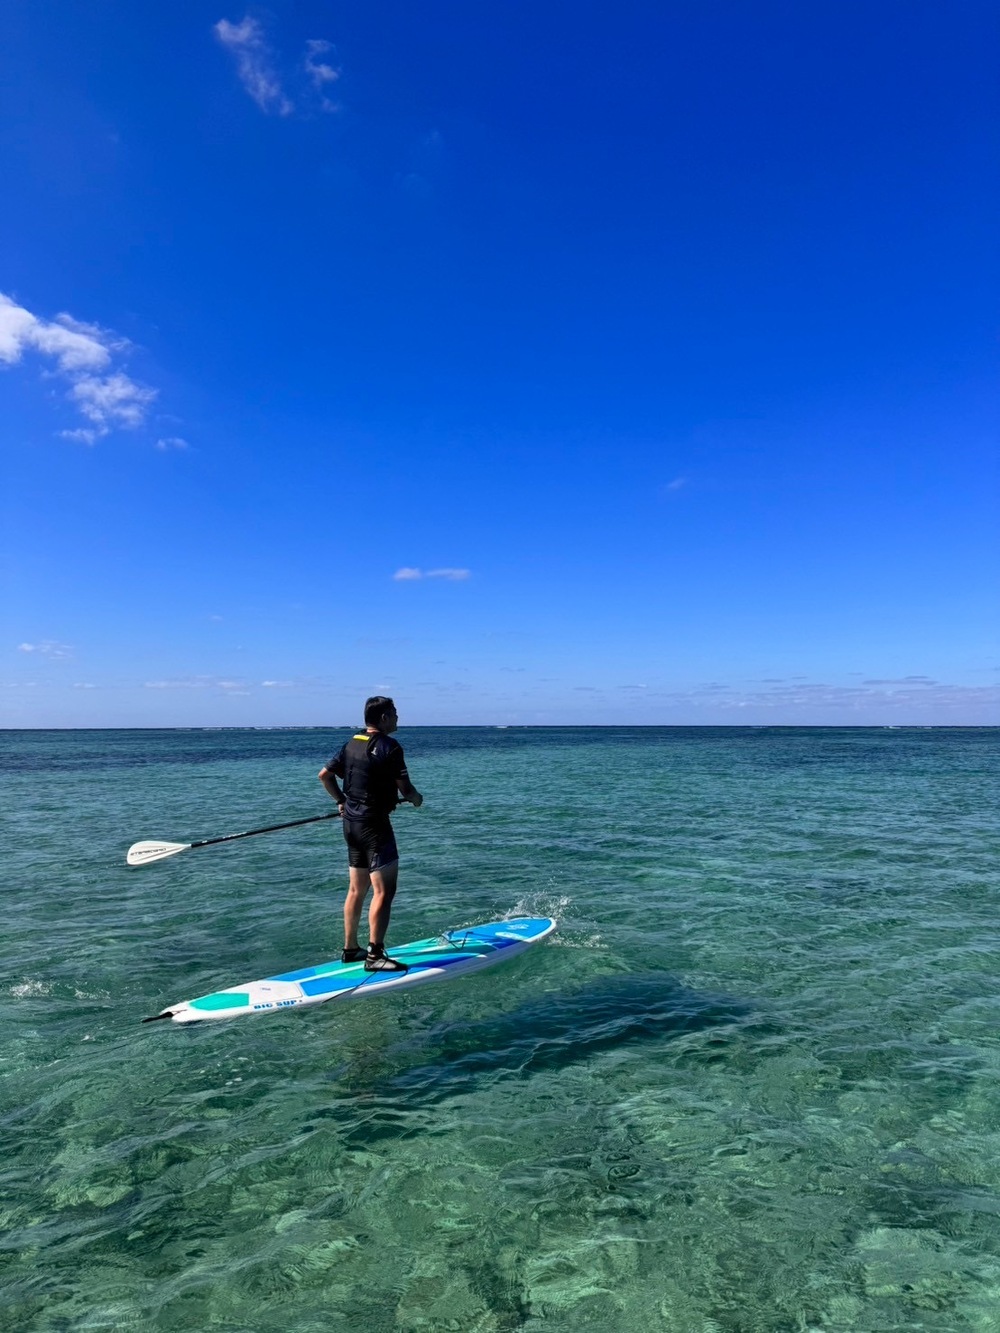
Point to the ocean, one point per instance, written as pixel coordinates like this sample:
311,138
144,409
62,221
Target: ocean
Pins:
751,1085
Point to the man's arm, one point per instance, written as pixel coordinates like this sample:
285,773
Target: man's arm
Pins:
404,786
330,783
408,792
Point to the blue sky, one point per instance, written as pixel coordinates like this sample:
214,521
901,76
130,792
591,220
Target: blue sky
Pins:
535,363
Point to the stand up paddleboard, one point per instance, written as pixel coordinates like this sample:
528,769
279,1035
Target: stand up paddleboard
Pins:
453,954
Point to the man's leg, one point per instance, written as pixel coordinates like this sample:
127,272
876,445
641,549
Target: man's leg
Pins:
353,905
383,891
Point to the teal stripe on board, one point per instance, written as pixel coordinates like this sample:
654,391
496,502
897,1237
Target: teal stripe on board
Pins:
229,1000
750,1084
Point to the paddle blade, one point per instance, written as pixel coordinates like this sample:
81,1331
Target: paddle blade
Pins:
141,853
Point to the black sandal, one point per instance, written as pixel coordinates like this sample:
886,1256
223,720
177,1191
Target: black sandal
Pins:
356,955
379,961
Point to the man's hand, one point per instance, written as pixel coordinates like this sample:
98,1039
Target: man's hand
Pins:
415,799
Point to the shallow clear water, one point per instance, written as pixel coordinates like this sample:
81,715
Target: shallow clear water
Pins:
750,1085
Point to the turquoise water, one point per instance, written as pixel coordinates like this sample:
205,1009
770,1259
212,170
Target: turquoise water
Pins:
750,1085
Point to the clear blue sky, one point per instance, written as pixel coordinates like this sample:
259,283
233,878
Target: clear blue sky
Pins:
596,363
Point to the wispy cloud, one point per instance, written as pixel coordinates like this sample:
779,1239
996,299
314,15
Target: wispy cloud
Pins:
916,698
198,683
320,71
257,68
47,648
172,442
82,354
409,574
245,43
901,680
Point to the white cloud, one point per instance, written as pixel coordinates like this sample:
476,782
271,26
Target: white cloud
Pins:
172,442
17,330
245,43
114,400
75,346
409,574
80,353
47,648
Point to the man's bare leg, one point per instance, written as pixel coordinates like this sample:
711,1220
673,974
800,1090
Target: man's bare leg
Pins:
383,891
360,883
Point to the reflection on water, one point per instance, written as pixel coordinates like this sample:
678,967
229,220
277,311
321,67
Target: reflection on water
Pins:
547,1034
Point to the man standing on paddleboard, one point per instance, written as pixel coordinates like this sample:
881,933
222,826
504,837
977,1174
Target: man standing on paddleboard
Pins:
373,771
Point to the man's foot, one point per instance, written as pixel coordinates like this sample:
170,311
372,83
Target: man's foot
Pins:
355,955
377,960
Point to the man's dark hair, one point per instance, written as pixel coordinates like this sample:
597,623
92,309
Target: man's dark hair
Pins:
376,708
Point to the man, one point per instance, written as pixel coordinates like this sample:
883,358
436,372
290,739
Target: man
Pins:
373,771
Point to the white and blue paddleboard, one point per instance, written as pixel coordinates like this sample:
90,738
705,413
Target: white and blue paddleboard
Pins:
456,953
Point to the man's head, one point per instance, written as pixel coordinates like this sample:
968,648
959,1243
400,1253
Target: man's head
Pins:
380,712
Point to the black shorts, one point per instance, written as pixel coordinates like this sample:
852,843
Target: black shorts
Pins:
371,843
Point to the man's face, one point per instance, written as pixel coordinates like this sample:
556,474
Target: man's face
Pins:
390,720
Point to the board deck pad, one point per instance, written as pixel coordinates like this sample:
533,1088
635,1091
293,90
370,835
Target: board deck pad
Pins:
455,953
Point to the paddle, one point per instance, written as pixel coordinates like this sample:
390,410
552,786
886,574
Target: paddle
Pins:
141,853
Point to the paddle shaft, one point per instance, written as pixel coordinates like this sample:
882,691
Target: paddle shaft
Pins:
143,853
271,828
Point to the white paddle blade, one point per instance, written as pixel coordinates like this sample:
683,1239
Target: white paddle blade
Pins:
141,853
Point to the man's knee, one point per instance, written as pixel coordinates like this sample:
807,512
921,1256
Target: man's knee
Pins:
384,886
